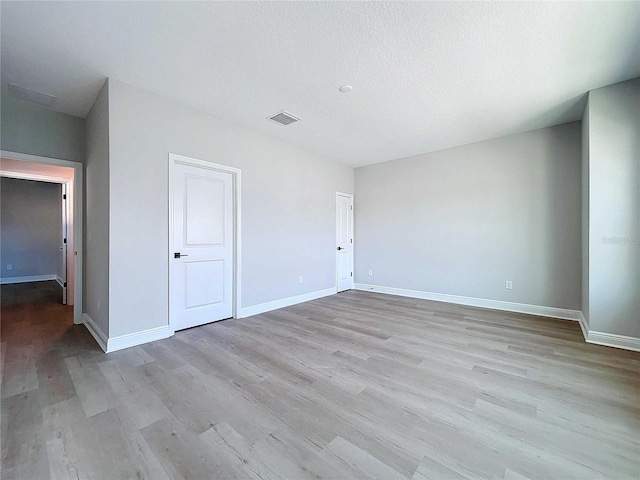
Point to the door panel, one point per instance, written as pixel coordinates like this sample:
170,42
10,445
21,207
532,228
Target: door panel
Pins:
201,273
205,283
205,214
344,242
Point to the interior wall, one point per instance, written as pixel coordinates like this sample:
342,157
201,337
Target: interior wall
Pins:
465,220
96,221
36,130
614,209
30,228
288,206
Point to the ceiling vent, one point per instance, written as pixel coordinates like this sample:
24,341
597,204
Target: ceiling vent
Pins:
283,118
31,95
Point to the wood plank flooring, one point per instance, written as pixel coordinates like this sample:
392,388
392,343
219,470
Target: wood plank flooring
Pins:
356,385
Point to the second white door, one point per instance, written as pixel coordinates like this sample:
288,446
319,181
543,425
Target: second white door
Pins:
344,241
202,260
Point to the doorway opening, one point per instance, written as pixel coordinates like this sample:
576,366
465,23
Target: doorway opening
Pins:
21,259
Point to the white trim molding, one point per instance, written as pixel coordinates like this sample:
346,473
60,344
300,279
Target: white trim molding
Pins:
113,344
59,280
95,331
30,278
584,326
613,340
608,339
34,176
138,338
539,310
285,302
590,336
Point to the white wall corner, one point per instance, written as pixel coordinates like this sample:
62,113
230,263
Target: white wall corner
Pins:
138,338
285,302
95,331
613,340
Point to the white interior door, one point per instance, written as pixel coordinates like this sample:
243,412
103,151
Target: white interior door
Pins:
64,243
201,273
344,241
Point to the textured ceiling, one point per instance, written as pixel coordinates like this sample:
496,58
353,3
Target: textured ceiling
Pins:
426,76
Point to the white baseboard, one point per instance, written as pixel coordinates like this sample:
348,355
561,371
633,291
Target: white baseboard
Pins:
113,344
59,280
476,302
285,302
95,331
584,326
158,333
138,338
608,339
613,340
590,336
30,278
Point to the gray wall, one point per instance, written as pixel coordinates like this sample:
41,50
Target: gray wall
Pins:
35,130
288,206
30,226
614,209
96,222
462,221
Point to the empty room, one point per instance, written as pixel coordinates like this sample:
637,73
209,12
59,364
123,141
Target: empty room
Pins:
320,240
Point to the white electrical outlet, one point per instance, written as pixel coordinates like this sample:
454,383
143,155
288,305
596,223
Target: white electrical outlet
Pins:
508,285
300,279
370,273
9,267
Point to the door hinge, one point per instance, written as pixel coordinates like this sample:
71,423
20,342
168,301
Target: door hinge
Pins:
64,284
352,274
64,196
64,240
352,240
351,207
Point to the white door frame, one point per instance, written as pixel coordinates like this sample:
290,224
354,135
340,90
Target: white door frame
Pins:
78,204
236,175
353,245
63,182
67,188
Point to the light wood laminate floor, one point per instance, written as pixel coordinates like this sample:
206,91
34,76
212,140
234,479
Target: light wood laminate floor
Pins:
356,385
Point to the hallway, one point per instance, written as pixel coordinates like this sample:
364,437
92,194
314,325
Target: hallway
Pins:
37,335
